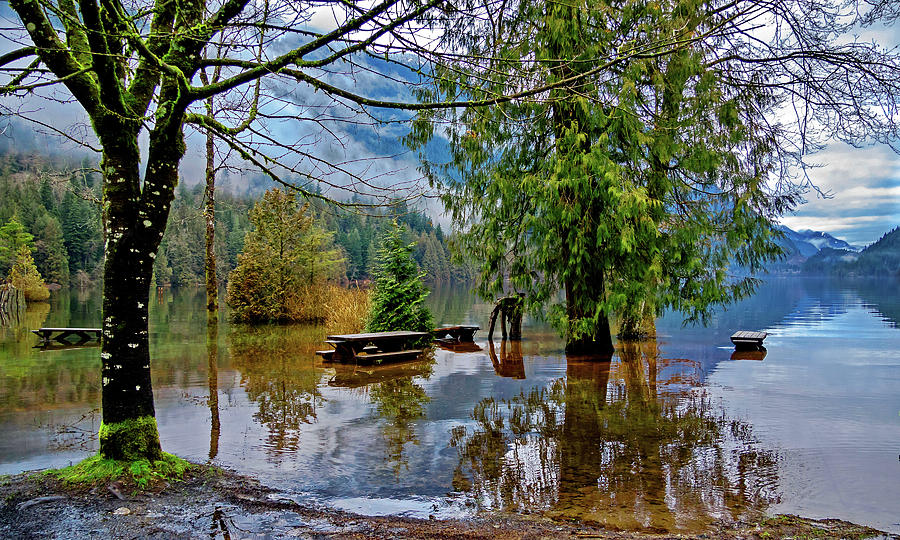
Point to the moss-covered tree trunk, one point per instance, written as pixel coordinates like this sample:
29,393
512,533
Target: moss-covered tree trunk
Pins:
212,285
135,218
129,429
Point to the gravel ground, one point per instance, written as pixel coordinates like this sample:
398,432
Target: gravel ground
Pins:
212,503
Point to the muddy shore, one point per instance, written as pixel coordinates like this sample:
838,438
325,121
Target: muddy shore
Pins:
213,503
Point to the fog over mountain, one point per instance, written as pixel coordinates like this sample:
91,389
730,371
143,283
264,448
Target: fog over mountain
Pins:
816,252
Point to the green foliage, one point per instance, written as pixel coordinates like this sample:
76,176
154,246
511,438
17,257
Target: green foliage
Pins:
50,251
12,237
80,220
399,295
59,211
24,276
60,214
286,255
99,470
631,192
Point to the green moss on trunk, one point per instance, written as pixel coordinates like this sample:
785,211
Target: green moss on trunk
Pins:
131,440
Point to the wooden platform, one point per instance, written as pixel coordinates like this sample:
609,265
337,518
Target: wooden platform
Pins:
461,333
746,340
84,334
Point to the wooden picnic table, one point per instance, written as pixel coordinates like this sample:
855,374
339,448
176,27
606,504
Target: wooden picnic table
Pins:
84,334
460,333
747,340
387,346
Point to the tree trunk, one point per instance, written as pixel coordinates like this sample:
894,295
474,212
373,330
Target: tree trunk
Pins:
212,285
136,215
583,276
129,429
515,318
600,341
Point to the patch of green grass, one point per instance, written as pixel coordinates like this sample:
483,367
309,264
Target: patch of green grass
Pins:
97,469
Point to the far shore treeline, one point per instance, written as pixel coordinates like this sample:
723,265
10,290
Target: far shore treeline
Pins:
57,201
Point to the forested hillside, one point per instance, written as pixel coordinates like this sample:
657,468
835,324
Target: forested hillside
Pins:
58,202
880,259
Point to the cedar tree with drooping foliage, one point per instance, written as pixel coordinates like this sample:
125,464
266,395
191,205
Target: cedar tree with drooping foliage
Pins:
639,187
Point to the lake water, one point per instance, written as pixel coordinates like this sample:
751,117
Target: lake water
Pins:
671,435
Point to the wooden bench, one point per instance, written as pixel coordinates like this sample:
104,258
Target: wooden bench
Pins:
746,340
84,334
460,333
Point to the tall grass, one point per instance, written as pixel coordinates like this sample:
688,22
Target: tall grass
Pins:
345,309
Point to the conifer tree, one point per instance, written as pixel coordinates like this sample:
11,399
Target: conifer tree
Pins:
285,254
50,251
398,302
12,237
24,276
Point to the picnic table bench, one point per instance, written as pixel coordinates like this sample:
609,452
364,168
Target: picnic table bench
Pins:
84,334
372,347
746,340
460,333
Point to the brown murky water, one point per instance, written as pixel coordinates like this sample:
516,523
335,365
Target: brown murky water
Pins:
670,435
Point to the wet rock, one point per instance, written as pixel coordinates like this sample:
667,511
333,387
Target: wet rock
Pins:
116,489
122,511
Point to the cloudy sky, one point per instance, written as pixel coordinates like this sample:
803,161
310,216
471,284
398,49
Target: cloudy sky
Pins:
863,184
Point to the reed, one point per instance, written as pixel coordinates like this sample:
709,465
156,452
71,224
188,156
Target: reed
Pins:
345,309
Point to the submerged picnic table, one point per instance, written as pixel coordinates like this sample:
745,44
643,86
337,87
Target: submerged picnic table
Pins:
372,347
460,333
84,334
746,340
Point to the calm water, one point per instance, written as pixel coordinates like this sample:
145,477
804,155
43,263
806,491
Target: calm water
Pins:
670,435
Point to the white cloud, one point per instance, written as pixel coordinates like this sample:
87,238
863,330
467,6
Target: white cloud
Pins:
864,188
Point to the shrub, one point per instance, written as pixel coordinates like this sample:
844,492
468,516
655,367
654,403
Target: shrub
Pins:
24,276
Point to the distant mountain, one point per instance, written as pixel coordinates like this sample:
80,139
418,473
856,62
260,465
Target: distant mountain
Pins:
807,243
880,259
798,246
822,240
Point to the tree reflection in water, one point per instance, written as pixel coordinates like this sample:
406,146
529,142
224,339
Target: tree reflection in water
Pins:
398,400
278,372
621,443
510,363
212,378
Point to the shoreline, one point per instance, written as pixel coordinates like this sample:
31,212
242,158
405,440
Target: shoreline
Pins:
212,502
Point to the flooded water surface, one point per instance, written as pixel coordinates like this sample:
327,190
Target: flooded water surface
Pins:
670,435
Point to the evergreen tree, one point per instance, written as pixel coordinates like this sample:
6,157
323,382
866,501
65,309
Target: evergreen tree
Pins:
285,254
80,230
47,198
628,192
50,251
12,237
398,302
24,276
